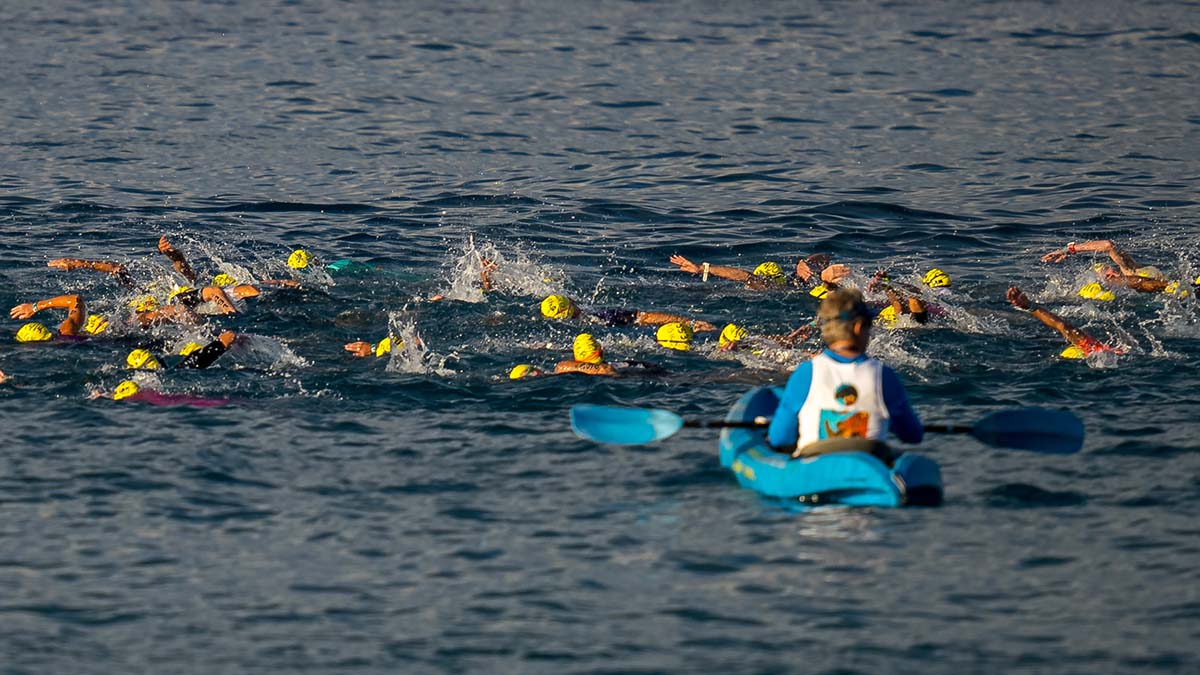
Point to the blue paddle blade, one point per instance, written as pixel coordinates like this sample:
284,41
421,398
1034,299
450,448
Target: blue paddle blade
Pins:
1054,432
623,426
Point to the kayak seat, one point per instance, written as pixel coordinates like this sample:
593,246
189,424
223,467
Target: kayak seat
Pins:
878,449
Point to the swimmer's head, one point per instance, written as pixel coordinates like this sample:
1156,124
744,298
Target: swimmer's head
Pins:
385,346
125,390
146,303
34,332
223,280
95,324
819,291
142,359
1073,352
675,335
523,370
1095,291
190,347
771,271
587,350
178,290
299,259
558,307
935,278
887,317
731,334
1151,272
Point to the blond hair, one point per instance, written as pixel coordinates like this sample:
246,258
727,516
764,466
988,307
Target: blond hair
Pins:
839,310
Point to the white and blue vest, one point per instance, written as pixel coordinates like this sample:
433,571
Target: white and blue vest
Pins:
845,400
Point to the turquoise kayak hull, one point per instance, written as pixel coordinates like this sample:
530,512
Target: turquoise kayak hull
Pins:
847,478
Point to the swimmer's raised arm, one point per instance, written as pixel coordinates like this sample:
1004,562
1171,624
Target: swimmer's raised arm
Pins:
115,269
76,312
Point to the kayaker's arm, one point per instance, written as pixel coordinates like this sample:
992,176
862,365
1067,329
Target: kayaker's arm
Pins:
904,421
784,430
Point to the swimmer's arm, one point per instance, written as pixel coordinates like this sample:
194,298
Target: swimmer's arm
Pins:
76,311
1138,283
282,283
217,296
1069,332
659,318
115,269
177,259
1121,258
731,273
170,313
485,274
585,368
360,348
206,355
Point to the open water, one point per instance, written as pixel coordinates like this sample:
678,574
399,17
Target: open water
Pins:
422,513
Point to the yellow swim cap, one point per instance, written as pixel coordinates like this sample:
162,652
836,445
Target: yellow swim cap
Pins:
146,303
819,291
730,334
887,316
34,332
676,335
95,325
299,259
1151,272
587,350
1073,352
522,370
177,290
1172,288
222,280
770,271
189,348
936,278
385,346
1095,291
558,307
125,390
142,359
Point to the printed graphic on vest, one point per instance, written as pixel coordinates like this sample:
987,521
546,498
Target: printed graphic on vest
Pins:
843,423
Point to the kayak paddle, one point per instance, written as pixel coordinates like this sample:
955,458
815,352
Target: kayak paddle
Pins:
1055,432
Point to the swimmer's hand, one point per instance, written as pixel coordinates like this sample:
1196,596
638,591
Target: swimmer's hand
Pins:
1018,298
23,311
685,265
359,348
698,325
835,273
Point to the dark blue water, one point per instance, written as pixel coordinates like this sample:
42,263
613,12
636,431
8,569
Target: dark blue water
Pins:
425,514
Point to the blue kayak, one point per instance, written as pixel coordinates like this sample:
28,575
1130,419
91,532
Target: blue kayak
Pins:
849,474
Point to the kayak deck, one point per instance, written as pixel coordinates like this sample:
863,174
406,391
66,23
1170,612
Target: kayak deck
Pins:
849,478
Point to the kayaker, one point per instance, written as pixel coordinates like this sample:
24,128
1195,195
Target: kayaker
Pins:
769,274
1082,344
562,307
842,392
195,356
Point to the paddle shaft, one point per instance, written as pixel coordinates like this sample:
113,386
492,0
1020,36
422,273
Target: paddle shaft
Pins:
948,429
724,424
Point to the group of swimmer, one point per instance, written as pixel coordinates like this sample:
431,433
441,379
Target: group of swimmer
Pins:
843,320
903,302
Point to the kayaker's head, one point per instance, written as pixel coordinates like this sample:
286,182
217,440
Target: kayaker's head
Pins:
33,332
558,307
675,335
731,334
845,320
936,278
587,350
523,370
771,271
299,259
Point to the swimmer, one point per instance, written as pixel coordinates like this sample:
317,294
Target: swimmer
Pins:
71,327
562,307
735,338
589,360
1143,279
770,274
301,259
194,355
130,391
379,349
1082,344
3,377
